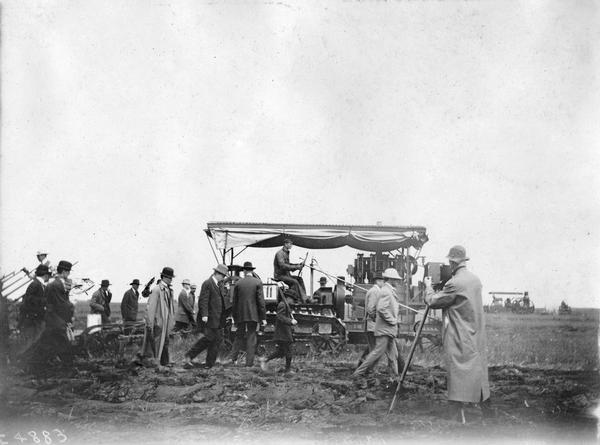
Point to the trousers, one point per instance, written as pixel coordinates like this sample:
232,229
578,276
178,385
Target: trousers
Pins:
284,349
384,345
245,336
211,341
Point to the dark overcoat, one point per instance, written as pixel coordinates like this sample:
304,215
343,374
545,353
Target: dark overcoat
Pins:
59,310
211,304
129,305
464,338
283,323
248,300
34,301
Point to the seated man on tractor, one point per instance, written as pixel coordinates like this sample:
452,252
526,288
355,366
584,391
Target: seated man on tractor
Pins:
282,268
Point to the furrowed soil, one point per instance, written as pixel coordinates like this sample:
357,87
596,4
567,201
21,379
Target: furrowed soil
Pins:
539,394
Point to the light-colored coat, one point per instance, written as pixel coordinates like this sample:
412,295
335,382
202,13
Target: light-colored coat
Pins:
370,307
160,313
387,309
464,338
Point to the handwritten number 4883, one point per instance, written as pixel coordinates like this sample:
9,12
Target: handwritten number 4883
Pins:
46,437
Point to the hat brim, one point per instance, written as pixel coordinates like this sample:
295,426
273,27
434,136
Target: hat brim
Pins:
457,259
220,271
248,268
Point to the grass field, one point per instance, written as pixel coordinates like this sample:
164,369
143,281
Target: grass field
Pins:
566,342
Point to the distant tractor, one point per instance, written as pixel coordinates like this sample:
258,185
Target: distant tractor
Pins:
516,302
564,308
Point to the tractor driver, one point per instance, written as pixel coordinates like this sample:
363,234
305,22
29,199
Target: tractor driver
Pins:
283,267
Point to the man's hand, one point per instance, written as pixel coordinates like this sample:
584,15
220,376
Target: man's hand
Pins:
204,319
294,322
264,322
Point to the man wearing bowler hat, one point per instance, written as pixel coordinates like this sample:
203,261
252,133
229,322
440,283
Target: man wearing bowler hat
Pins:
184,318
464,338
100,302
129,303
212,306
160,319
248,310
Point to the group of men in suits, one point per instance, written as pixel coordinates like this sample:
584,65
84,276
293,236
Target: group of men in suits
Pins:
45,316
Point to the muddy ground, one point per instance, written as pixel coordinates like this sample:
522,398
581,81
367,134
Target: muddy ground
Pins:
98,403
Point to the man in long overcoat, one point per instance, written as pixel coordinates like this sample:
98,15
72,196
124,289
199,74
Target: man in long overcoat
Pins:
33,308
100,302
129,303
160,319
248,310
212,306
464,338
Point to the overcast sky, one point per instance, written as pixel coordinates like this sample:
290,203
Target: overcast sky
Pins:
127,126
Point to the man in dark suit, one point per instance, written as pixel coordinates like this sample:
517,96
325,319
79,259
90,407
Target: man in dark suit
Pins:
248,309
212,306
33,308
129,303
59,312
100,303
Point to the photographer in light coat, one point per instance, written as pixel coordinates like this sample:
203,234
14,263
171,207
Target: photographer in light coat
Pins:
464,337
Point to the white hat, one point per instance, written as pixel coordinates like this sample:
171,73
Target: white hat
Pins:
186,281
42,252
391,273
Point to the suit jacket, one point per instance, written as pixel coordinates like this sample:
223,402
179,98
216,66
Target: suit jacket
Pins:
211,304
34,301
100,304
464,338
129,305
160,313
59,310
185,307
248,300
283,323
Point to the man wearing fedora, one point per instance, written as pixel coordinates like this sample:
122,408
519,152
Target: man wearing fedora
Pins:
282,269
184,317
464,338
386,326
33,308
212,306
100,302
248,310
371,299
129,303
160,319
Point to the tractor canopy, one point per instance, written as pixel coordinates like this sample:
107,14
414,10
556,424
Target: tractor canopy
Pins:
229,235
